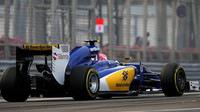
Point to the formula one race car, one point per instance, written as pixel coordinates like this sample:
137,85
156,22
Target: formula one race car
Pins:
84,74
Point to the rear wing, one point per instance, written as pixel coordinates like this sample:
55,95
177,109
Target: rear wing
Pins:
59,59
31,50
40,47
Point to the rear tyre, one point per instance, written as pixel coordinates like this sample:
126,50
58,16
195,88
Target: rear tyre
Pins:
173,80
11,90
84,83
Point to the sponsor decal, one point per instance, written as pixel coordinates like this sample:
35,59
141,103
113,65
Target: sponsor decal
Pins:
121,80
59,56
111,62
122,85
59,63
125,75
40,47
95,49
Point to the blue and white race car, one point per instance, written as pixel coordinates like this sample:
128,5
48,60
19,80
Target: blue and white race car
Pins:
84,74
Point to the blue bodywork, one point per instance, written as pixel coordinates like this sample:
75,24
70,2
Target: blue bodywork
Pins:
89,55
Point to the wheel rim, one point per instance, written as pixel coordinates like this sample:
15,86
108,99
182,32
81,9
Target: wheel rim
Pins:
93,83
181,81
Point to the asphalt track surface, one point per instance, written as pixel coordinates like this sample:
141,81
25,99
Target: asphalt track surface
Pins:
189,102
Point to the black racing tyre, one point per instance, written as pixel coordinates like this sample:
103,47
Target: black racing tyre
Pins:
84,83
10,88
173,80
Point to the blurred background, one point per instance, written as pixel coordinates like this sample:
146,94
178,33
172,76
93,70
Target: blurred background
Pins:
169,28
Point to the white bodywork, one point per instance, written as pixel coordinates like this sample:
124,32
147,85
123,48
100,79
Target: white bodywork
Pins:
60,59
194,85
103,84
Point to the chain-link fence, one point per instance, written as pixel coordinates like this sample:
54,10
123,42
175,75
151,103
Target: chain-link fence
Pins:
169,28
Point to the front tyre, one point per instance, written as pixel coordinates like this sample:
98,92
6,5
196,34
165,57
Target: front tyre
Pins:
173,80
11,90
84,83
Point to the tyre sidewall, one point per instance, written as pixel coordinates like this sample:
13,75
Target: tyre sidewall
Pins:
4,81
169,79
178,89
13,89
79,83
90,93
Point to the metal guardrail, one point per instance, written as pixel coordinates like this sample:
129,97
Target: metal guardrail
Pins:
152,55
163,56
192,69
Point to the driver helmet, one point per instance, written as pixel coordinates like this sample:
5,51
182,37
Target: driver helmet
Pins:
102,57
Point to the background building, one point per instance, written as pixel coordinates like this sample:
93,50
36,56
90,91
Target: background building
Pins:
174,27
